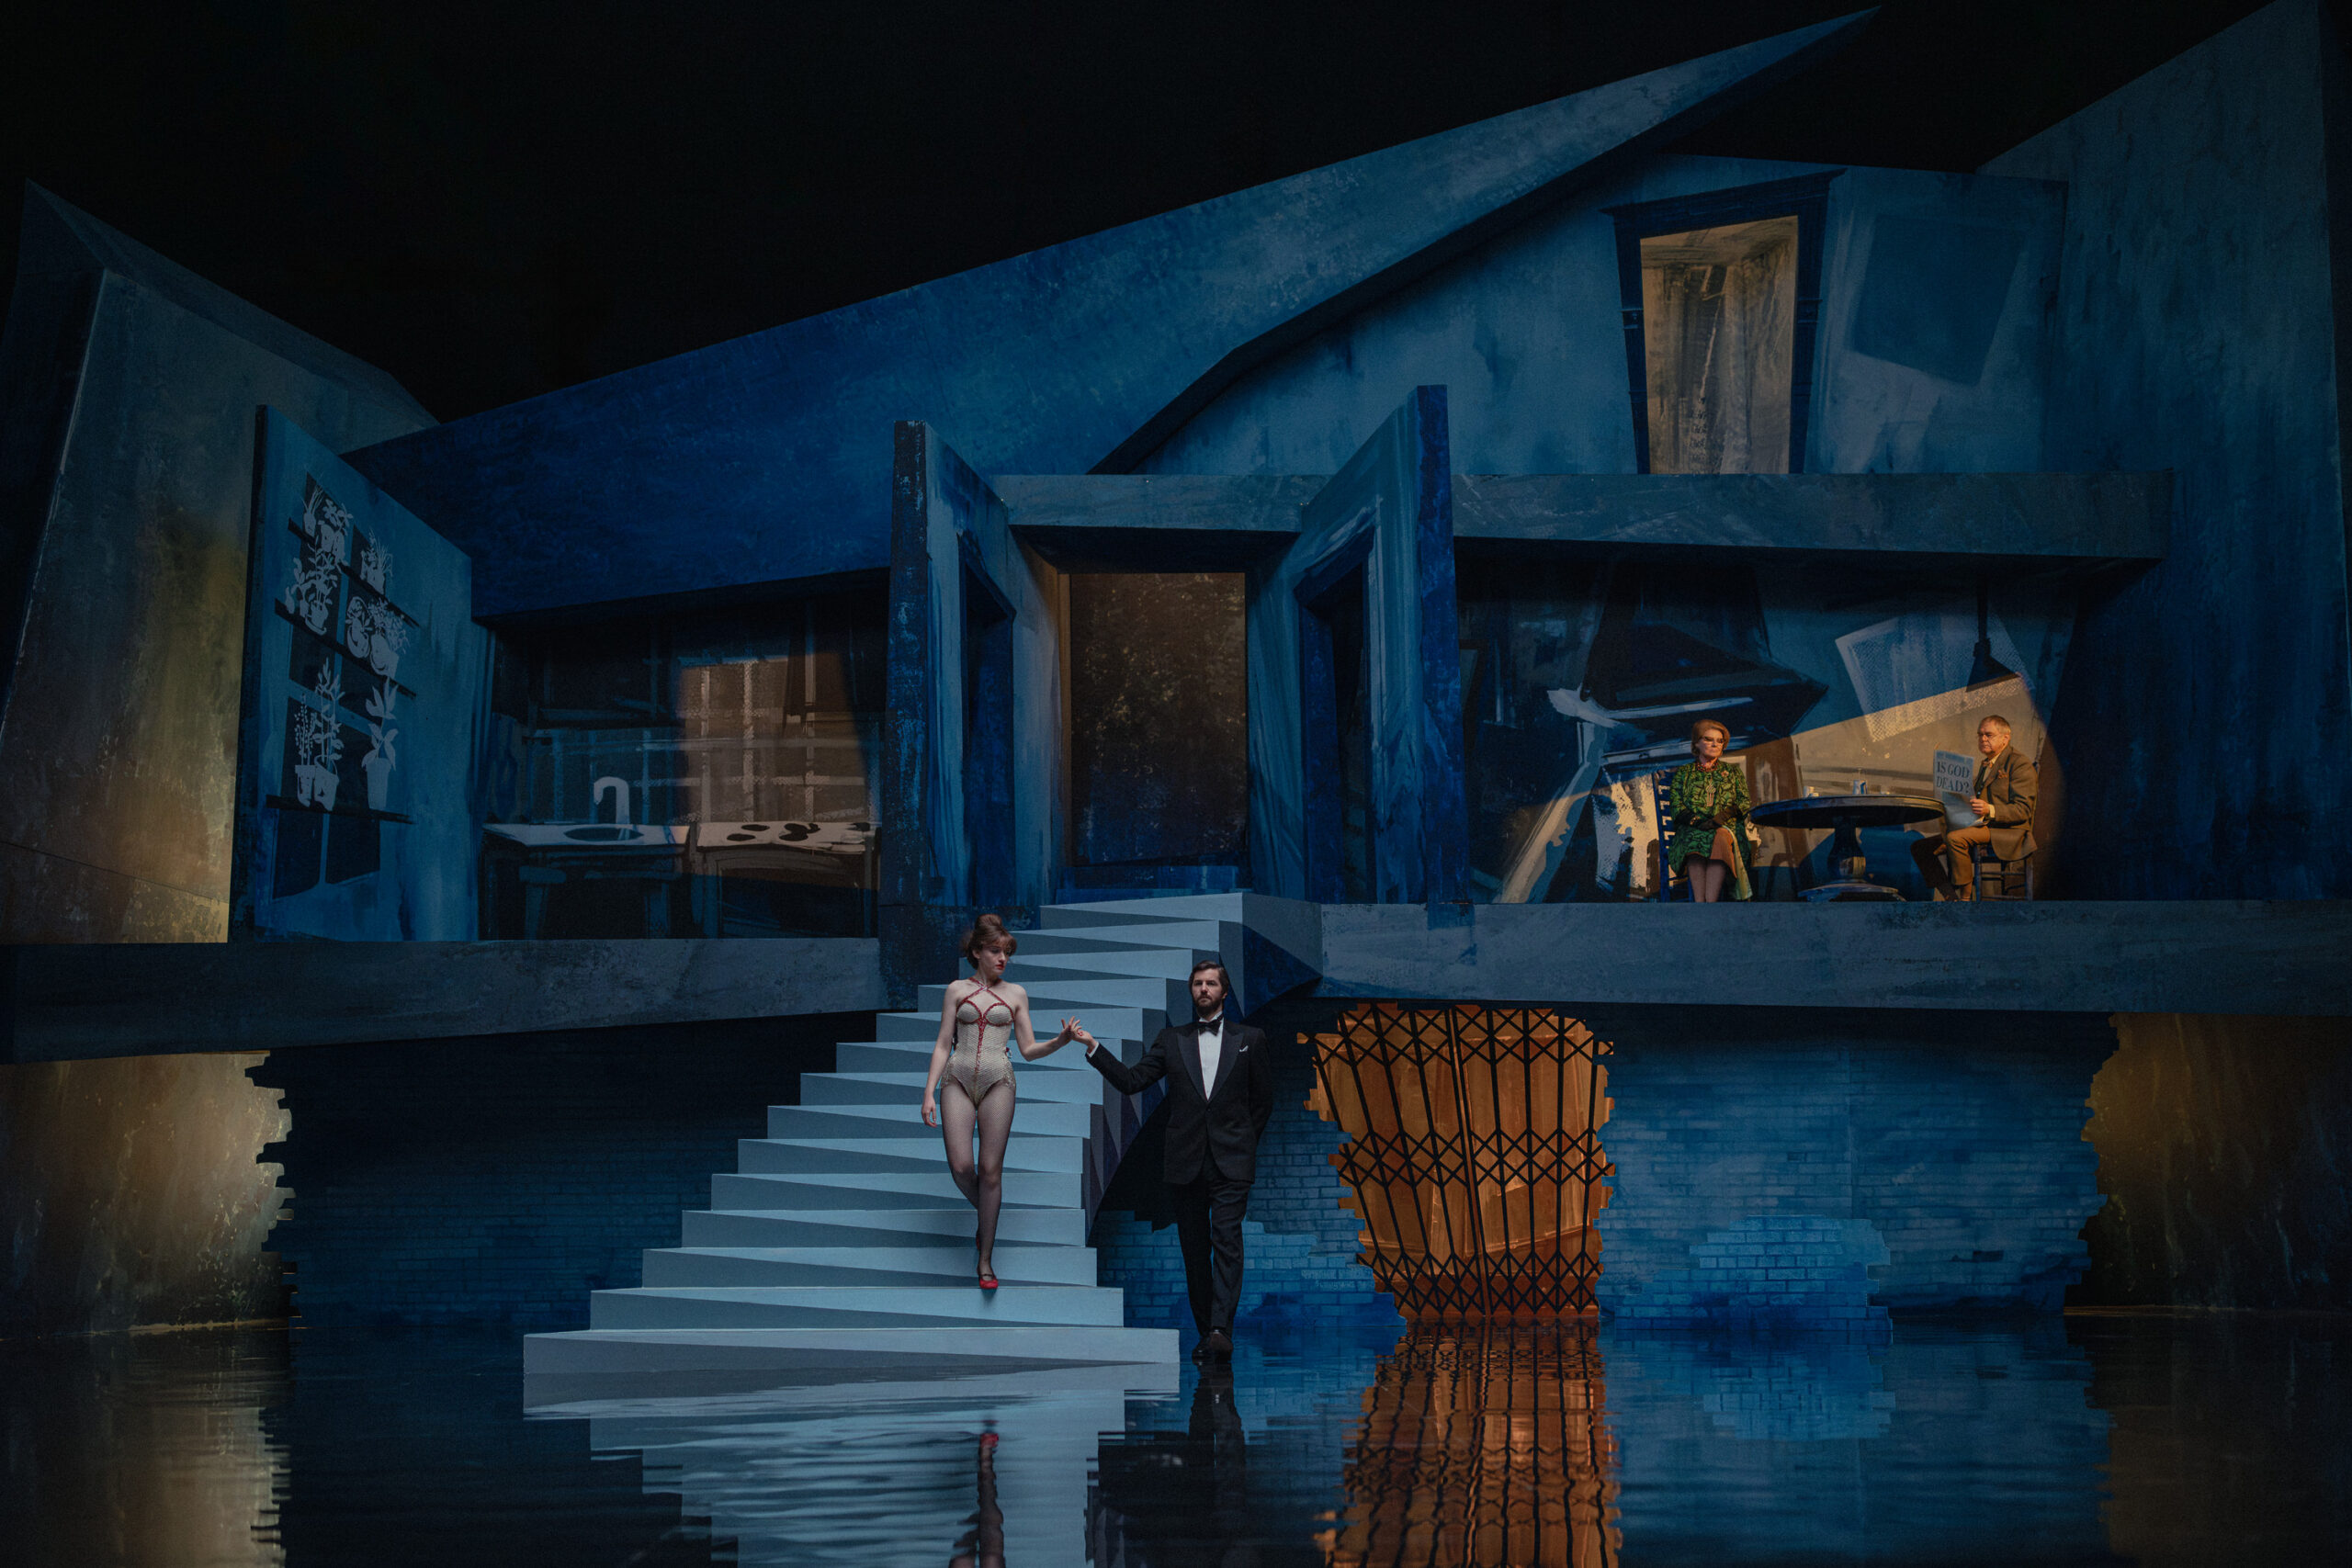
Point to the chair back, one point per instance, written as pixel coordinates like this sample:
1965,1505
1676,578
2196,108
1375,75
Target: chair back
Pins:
1662,795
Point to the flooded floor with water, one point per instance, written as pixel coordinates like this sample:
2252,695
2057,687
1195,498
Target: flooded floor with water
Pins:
2086,1440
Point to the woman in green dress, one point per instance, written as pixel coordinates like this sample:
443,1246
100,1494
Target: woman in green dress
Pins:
1710,804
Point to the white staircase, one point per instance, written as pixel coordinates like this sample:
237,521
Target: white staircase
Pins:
839,1241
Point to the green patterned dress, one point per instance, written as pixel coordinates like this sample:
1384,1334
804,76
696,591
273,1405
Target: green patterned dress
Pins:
1695,792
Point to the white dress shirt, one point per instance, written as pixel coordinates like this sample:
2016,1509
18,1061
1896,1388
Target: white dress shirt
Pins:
1211,1049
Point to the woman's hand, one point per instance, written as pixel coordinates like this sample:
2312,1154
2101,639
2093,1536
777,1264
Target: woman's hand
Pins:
930,1109
1083,1038
1071,1030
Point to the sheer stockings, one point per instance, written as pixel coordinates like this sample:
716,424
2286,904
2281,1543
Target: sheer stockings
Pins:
1710,877
980,1179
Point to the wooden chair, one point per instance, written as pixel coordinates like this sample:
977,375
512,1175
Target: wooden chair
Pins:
1660,795
1981,858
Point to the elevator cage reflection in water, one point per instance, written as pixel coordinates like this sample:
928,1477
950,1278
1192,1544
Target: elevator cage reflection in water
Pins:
1473,1151
1482,1446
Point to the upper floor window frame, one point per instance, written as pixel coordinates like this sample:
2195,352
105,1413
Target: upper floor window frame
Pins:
1804,197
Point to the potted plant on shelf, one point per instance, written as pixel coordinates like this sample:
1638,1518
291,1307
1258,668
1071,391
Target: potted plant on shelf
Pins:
318,745
311,593
377,759
376,632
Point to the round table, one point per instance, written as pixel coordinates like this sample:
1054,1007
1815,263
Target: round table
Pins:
1846,815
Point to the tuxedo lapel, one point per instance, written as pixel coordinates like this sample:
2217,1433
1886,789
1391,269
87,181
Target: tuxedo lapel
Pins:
1188,1050
1224,1059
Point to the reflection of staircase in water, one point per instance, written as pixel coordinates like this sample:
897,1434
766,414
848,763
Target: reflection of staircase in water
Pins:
882,1474
840,1240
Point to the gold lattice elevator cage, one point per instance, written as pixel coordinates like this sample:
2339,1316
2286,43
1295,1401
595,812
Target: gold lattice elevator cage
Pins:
1473,1151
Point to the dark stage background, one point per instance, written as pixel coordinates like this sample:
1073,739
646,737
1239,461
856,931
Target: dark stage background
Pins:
492,202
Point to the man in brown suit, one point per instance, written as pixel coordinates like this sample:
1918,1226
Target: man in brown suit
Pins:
2004,806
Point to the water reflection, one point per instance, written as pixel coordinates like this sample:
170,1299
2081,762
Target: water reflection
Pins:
975,1469
983,1546
2083,1441
143,1449
1481,1448
1939,1444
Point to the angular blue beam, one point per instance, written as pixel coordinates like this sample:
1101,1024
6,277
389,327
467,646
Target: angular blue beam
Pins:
762,459
1222,523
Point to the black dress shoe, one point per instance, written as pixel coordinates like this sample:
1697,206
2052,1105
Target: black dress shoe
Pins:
1216,1345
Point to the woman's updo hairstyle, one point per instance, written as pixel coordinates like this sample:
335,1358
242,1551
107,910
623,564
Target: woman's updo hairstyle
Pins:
987,931
1718,725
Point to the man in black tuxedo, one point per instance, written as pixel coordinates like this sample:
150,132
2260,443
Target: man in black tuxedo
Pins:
1220,1091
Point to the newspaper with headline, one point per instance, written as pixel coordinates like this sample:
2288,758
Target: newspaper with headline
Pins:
1956,786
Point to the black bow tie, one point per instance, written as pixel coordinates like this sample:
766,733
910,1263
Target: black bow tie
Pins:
1216,1022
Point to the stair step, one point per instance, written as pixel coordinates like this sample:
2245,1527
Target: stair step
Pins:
865,1057
902,1118
948,1347
1105,1022
870,1306
1131,918
883,1189
911,1026
904,1087
1051,1000
948,1265
1107,938
879,1227
1158,962
851,1157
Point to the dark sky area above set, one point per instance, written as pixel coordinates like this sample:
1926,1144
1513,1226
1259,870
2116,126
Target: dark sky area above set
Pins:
491,203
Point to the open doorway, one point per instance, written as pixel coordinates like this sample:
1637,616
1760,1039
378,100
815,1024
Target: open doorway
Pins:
1335,702
1159,733
988,738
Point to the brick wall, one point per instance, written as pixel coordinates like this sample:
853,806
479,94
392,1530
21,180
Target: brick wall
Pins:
1770,1164
500,1180
1957,1140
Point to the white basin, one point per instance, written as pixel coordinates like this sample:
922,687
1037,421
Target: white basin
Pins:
589,835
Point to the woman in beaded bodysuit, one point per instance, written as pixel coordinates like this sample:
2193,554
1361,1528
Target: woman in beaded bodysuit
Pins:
970,1090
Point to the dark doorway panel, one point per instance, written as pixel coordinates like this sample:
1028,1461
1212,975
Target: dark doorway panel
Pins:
1159,742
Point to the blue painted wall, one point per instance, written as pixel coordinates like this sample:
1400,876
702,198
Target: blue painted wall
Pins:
1524,333
357,812
968,820
126,489
1387,517
2199,328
